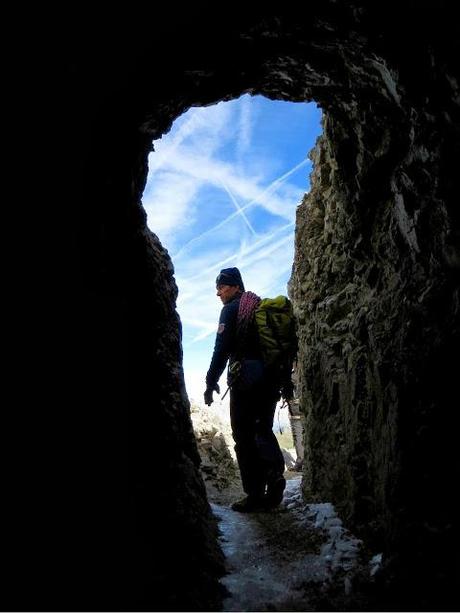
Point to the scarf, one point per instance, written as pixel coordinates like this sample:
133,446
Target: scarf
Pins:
248,304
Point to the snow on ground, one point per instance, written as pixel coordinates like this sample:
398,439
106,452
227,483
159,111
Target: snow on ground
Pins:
273,557
341,547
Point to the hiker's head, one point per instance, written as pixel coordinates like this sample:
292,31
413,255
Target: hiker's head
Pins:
228,284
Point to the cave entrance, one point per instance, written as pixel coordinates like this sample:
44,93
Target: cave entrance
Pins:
223,188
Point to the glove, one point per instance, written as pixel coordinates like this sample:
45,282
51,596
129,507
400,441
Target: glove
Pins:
208,394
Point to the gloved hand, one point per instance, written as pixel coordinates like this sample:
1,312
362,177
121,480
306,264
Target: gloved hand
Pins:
208,399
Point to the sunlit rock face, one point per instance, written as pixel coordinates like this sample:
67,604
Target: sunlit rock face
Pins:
375,288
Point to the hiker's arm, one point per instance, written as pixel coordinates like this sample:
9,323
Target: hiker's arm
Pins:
224,343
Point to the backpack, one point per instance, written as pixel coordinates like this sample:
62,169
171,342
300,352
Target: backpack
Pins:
275,323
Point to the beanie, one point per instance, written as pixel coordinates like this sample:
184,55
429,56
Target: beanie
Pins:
230,276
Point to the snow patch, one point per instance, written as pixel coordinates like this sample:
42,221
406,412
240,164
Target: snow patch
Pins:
273,557
341,549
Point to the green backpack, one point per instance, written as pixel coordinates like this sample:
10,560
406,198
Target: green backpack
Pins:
275,323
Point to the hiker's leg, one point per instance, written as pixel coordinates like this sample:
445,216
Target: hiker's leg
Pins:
272,461
243,417
271,454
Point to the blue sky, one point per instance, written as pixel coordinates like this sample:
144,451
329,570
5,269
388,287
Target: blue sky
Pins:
223,187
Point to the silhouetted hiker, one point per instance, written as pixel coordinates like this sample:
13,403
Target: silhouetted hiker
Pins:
253,396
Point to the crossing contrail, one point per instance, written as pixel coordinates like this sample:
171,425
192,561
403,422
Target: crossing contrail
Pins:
242,253
268,190
238,208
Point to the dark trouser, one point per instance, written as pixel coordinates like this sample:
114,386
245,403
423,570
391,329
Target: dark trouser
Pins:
259,456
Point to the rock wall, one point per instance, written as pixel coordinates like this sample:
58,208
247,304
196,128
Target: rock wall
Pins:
376,293
219,466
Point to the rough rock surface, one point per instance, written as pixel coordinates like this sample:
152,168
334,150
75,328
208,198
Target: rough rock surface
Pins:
219,468
377,299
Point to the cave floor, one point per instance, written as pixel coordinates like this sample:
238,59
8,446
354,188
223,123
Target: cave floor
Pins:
289,559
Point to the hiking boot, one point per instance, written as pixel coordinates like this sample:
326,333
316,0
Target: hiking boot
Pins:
275,492
249,504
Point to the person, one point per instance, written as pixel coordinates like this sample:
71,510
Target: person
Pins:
295,419
253,396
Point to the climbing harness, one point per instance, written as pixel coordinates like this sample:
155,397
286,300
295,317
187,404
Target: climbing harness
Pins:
234,372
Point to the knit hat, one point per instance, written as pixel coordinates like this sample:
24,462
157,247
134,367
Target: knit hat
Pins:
230,276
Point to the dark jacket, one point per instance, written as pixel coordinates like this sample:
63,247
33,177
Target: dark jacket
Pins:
228,345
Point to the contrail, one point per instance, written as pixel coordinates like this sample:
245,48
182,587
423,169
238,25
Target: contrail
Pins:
240,253
258,254
269,189
238,207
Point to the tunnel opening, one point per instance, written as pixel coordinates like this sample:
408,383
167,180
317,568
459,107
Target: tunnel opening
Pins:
222,190
375,285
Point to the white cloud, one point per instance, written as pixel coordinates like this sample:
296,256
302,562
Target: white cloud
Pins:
245,127
168,203
277,198
204,128
270,201
246,249
186,160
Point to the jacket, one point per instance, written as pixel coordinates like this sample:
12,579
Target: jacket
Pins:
228,346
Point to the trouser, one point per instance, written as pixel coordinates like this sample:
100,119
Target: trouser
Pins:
257,450
297,429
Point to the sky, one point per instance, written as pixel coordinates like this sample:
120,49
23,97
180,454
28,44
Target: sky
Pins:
222,190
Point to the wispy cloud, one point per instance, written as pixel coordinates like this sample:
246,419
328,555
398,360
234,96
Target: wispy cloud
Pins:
169,202
245,128
266,197
204,129
245,250
202,167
